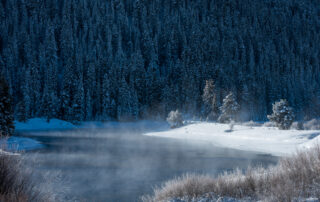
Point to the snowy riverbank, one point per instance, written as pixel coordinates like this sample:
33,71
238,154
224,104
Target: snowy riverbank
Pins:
259,139
38,124
18,144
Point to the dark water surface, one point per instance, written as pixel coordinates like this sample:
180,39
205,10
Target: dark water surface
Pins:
120,164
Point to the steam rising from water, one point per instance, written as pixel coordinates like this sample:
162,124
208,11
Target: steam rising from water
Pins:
117,163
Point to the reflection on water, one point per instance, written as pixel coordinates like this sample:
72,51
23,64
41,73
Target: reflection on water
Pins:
121,165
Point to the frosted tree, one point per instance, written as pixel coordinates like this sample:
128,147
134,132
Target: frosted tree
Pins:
78,104
50,98
209,99
78,101
34,89
88,107
23,108
49,104
6,112
127,103
67,91
89,85
282,115
247,103
153,89
229,109
21,112
175,119
106,98
137,75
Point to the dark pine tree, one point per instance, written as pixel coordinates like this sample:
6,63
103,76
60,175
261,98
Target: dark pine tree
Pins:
6,112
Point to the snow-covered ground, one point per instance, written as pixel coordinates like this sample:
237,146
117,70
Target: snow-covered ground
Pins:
40,125
37,124
15,144
259,139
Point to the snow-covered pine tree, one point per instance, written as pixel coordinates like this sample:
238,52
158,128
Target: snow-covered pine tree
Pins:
49,104
78,107
78,102
67,91
229,109
89,85
88,107
209,99
153,86
247,104
106,99
50,98
6,112
23,108
127,103
35,90
175,119
282,115
27,93
137,76
20,112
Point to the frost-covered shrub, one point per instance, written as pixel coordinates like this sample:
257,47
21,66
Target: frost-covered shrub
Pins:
297,125
231,126
296,177
313,124
269,124
282,114
175,119
16,182
251,124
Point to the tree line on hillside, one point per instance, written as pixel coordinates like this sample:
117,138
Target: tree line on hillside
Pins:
282,115
82,60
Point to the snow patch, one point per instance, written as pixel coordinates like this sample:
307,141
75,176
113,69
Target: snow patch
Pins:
13,144
38,124
259,139
7,153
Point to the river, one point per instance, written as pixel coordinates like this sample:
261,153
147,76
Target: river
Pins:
120,164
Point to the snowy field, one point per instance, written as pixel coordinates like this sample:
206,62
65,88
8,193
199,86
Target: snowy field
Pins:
259,139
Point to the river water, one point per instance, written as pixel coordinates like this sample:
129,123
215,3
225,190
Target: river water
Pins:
120,164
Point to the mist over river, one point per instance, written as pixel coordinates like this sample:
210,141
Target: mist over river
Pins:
120,164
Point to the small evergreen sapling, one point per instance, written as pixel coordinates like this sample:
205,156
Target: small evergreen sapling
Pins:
229,109
282,115
175,119
209,99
